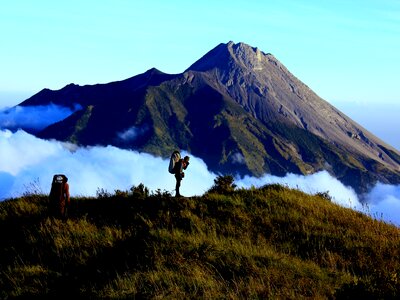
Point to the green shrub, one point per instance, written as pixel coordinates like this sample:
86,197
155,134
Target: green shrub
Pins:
223,185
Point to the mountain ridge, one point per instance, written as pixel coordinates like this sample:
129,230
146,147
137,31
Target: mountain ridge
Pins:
268,242
237,108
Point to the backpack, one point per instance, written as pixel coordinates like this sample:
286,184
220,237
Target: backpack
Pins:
175,157
57,187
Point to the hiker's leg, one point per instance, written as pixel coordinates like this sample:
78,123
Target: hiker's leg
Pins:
61,210
178,184
65,214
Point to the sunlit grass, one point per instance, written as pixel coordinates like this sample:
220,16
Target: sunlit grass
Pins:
271,242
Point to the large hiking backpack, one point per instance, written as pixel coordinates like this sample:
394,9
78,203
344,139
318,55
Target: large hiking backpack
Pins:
57,185
175,157
57,189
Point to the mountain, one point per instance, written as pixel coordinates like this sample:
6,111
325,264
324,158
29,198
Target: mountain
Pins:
237,108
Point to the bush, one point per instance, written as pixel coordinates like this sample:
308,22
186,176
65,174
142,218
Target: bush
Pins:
140,191
102,193
223,185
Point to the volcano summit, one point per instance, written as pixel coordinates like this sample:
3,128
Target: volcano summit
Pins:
237,108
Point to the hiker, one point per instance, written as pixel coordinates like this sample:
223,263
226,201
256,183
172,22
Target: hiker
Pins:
181,165
59,196
176,167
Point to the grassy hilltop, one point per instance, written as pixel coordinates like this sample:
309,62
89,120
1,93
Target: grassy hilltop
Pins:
271,242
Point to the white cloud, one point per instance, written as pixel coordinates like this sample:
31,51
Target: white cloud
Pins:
29,158
26,159
384,202
131,133
21,151
34,117
238,158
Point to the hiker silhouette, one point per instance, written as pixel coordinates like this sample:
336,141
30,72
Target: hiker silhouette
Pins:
181,165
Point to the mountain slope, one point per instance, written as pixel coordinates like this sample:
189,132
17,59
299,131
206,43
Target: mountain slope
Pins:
266,89
265,243
238,109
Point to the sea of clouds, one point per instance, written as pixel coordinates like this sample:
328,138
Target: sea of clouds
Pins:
27,164
34,117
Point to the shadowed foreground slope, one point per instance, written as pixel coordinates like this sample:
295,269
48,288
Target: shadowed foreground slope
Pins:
259,243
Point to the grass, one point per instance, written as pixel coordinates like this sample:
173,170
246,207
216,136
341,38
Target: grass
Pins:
271,242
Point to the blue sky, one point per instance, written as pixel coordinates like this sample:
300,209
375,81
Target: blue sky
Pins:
346,51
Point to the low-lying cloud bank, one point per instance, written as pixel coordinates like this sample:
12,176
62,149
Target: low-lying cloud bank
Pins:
34,117
29,163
